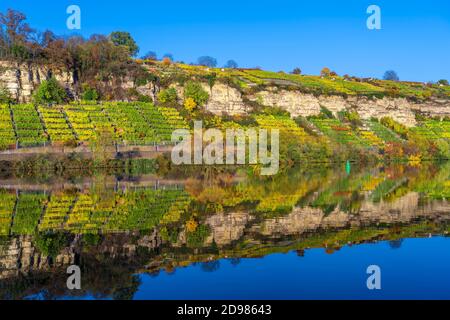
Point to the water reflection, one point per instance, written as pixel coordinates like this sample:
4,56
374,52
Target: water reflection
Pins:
117,230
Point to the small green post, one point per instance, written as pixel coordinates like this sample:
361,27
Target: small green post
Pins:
348,167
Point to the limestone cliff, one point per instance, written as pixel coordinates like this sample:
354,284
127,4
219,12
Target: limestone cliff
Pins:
230,227
400,109
22,79
229,100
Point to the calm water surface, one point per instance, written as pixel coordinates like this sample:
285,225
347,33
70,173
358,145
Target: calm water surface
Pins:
305,234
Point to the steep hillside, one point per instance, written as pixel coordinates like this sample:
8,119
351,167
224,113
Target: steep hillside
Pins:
239,91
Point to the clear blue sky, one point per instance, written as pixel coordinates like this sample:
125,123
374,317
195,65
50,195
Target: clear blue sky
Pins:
275,35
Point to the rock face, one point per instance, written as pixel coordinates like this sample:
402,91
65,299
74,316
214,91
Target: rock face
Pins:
225,99
403,210
227,227
22,80
20,256
400,109
230,227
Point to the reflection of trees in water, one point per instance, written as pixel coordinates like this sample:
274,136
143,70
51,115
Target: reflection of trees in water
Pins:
51,244
210,266
396,244
107,275
235,261
115,276
300,253
128,292
103,275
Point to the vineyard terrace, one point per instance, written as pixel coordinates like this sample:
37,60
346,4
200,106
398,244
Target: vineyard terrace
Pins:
211,148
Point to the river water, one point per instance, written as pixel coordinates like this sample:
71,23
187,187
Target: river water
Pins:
305,234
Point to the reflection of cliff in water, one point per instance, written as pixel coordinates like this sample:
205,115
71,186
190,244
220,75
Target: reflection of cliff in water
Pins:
113,234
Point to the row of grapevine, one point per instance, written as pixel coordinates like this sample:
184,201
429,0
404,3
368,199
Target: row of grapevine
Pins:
131,126
99,121
56,124
158,122
7,204
56,212
144,209
29,129
7,134
28,213
440,129
369,138
80,122
129,123
338,131
147,124
283,123
83,212
174,121
382,132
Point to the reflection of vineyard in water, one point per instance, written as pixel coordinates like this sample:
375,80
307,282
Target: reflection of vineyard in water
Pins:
123,231
80,212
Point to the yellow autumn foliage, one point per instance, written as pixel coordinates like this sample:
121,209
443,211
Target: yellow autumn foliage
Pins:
414,160
191,225
190,104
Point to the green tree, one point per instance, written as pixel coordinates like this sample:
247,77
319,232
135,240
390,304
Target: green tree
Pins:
5,95
195,91
325,72
168,96
50,244
297,71
168,56
391,75
89,93
151,55
120,38
231,64
211,78
50,92
207,61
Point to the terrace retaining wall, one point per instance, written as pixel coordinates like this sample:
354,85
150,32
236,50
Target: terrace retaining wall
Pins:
137,152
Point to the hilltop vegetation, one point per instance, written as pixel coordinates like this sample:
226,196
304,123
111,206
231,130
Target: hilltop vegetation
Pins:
161,96
102,64
254,79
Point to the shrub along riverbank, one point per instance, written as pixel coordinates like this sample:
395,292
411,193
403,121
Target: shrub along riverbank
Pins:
44,167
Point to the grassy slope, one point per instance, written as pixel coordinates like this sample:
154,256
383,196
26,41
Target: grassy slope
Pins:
246,78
